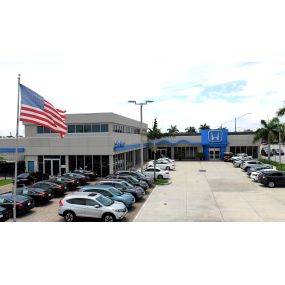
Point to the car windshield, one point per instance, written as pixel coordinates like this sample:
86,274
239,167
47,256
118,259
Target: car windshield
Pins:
140,174
23,175
127,184
133,179
105,200
115,191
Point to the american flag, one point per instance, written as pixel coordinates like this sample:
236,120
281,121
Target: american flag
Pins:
35,109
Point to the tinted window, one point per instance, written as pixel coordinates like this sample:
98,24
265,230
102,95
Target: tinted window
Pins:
87,128
40,129
1,201
79,128
96,128
90,202
104,128
77,201
71,128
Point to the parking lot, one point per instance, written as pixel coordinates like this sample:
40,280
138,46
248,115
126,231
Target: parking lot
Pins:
206,191
212,191
49,212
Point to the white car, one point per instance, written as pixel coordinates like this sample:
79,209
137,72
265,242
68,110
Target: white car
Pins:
254,176
91,205
159,173
247,164
241,156
162,164
167,159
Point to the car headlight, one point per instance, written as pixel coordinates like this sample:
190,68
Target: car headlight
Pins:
120,210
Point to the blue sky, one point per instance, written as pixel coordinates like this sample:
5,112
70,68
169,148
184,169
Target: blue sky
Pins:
198,65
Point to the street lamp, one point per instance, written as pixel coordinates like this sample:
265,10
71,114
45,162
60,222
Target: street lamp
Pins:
141,111
239,118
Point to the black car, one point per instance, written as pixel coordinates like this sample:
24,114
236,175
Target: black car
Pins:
29,178
57,190
4,215
91,174
272,178
68,183
23,203
82,179
39,195
138,175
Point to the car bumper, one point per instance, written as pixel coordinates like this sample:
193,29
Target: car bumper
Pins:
120,215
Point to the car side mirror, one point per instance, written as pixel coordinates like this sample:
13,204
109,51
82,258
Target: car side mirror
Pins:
97,206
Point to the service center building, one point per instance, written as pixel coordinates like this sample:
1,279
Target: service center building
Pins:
106,142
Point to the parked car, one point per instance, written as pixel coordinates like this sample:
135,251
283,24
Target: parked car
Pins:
162,164
68,183
168,159
4,215
272,179
138,175
111,192
82,179
228,156
247,164
277,151
130,179
137,192
39,195
264,171
264,152
159,173
57,190
241,156
91,205
29,178
258,167
91,174
23,203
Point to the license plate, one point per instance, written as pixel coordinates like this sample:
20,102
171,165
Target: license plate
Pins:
1,216
49,194
29,203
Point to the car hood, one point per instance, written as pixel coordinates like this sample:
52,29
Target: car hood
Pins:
117,206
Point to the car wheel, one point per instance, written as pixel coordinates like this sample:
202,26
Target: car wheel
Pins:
271,184
69,216
159,177
109,218
167,168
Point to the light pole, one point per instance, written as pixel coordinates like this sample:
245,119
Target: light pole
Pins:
141,112
239,118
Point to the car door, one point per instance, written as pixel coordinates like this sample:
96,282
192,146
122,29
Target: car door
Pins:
282,179
78,206
91,211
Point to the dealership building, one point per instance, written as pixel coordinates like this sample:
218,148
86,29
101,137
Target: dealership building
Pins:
107,142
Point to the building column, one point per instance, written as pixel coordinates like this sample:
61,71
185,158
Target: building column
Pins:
125,161
67,163
111,162
134,158
172,152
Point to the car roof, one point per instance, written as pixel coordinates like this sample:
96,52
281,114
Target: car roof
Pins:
82,194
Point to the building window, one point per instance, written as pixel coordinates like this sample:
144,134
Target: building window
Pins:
96,128
40,130
71,129
87,128
104,128
79,128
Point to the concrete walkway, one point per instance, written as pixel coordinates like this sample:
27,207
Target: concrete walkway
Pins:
221,193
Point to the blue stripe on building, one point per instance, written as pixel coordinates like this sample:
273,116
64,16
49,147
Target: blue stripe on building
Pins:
12,149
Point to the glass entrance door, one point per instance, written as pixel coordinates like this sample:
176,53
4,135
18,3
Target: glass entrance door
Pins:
214,153
52,167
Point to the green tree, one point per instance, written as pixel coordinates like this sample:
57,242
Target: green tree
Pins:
268,132
204,127
154,132
172,131
190,130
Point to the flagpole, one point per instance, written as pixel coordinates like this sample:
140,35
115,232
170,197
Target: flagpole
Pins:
16,153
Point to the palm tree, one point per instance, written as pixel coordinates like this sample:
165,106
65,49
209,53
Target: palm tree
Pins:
268,132
204,127
191,130
172,131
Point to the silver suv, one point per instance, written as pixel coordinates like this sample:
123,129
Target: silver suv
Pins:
91,205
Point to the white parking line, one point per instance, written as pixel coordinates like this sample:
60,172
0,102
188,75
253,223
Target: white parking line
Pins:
143,205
